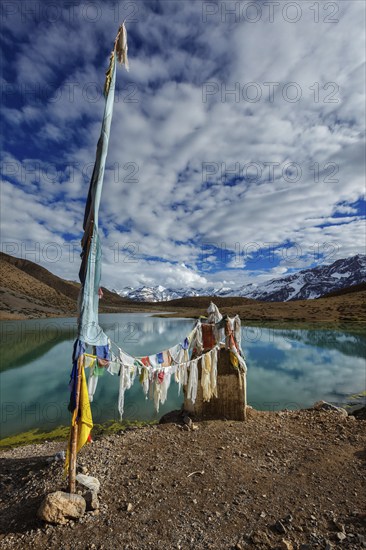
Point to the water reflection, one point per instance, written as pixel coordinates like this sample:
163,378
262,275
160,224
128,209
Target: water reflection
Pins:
294,368
287,368
36,362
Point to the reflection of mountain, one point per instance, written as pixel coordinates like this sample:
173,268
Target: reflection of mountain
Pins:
148,334
25,341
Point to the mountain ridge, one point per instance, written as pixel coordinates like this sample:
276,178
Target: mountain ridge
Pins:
306,284
29,291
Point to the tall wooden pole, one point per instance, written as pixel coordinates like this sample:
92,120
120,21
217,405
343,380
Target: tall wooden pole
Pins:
74,434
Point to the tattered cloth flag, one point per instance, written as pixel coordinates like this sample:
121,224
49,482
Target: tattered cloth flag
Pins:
89,331
82,416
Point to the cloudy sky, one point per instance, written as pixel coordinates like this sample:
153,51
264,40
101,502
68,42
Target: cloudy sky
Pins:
237,142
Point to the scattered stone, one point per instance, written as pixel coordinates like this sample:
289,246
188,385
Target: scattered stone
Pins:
263,514
280,528
129,507
287,519
59,456
260,537
188,421
286,545
91,499
58,507
360,414
324,406
340,526
341,536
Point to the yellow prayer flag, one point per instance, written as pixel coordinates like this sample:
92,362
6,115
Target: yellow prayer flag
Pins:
82,415
85,420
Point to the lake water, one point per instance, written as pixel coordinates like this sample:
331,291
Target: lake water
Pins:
286,368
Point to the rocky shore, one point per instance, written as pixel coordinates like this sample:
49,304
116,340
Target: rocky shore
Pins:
289,479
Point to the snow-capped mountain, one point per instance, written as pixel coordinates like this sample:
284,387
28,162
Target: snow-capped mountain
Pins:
162,294
314,282
306,284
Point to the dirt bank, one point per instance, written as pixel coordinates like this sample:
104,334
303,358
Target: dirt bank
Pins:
304,469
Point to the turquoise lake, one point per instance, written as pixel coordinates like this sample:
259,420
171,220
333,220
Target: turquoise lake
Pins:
287,368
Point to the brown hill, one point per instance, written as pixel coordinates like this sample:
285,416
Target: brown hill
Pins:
355,288
29,290
22,295
67,288
202,302
347,307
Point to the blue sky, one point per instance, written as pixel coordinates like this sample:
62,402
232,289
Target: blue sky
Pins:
237,142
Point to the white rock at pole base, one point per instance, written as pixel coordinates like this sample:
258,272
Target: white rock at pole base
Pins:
91,483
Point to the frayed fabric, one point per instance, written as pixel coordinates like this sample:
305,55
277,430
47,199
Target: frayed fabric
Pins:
213,373
92,385
206,377
193,381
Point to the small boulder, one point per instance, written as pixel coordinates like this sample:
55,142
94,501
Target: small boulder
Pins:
92,502
324,406
360,413
260,538
58,507
279,527
286,545
188,421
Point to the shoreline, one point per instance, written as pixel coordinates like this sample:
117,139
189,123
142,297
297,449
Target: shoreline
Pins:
345,308
60,433
353,325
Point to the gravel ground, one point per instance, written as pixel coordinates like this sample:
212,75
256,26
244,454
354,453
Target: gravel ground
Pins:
291,480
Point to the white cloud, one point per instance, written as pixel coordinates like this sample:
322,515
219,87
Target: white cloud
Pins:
167,135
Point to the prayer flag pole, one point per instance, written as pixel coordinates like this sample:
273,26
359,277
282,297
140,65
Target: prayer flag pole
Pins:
89,331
